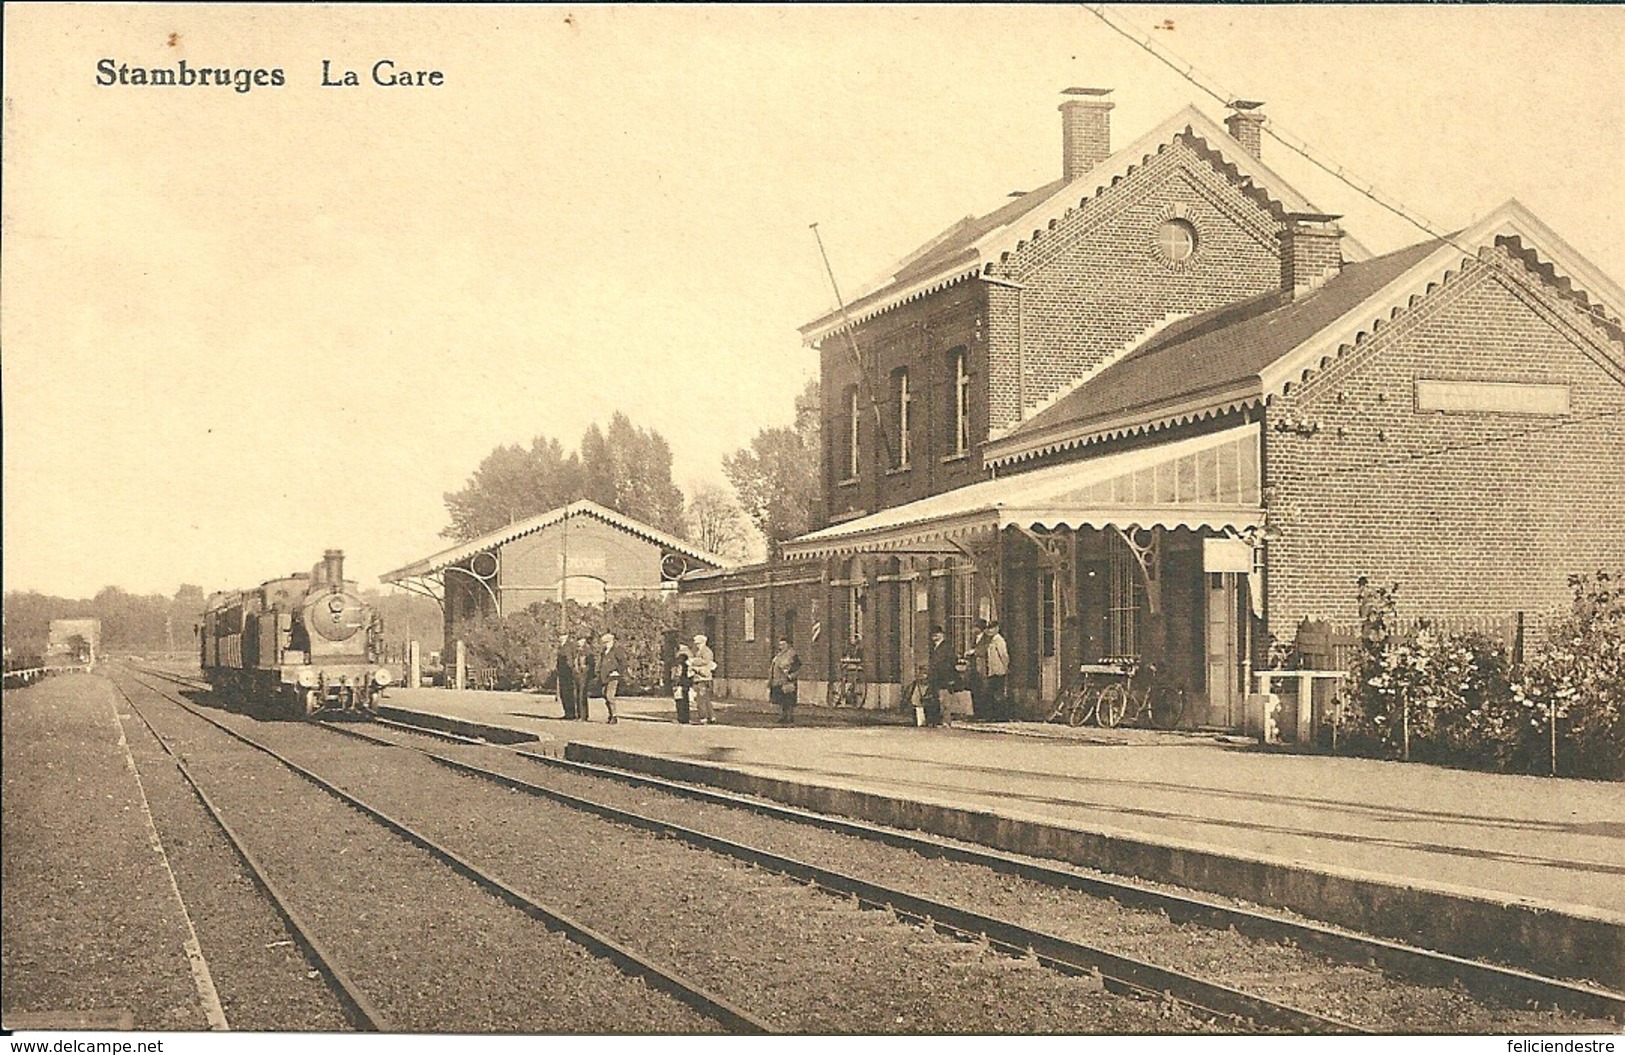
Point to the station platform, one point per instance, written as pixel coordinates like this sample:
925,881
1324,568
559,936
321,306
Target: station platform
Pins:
1522,870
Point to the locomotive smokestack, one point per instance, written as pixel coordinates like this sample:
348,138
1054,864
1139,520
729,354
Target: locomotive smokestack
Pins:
333,567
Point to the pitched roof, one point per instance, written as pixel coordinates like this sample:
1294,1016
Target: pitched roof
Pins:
1245,352
1215,353
540,522
973,245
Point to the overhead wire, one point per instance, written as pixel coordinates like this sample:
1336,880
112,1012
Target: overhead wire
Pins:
867,382
1300,146
1467,445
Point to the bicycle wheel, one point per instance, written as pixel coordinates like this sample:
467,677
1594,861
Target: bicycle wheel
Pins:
835,694
1111,705
1077,708
1167,706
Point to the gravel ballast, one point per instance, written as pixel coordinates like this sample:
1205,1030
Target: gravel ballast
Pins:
90,920
264,979
431,950
1278,971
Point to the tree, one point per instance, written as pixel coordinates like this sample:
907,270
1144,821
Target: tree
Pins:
777,476
716,524
513,483
625,468
628,469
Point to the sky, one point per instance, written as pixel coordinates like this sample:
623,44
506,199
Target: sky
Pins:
237,329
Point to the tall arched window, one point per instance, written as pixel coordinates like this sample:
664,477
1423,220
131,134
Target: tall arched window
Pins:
903,400
958,402
853,419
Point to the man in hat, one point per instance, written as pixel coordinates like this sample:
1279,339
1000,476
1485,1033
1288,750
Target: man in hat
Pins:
702,667
978,670
611,664
782,676
941,675
564,671
586,666
998,666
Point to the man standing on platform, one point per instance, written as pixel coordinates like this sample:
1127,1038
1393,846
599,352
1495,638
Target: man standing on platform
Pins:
998,665
703,668
682,684
564,671
978,671
611,664
586,665
781,680
941,675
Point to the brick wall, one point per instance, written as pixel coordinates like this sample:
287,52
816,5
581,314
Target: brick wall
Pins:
919,337
1091,285
784,603
1471,513
1098,280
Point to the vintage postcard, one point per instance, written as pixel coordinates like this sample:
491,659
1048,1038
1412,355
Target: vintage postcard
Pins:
541,520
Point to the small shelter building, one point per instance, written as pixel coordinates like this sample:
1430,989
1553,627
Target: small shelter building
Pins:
581,552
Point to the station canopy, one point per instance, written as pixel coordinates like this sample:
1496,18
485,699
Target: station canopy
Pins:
1208,481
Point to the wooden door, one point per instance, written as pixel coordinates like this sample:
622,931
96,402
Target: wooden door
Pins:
1049,635
1223,693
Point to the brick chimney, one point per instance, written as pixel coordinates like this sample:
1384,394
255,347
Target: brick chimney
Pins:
1086,130
1246,126
1311,252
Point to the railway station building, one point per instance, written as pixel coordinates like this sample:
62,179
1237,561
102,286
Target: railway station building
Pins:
1165,407
582,552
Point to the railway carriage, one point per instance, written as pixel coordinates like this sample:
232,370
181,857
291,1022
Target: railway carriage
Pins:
300,644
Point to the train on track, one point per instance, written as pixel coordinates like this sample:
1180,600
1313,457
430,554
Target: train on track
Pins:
296,645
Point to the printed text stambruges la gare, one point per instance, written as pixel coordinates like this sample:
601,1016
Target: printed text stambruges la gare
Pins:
384,73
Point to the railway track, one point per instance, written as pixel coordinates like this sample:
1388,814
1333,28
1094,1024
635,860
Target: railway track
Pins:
1501,985
1495,985
1163,989
363,1011
1118,973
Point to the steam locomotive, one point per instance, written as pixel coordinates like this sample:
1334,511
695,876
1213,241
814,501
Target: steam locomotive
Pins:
300,645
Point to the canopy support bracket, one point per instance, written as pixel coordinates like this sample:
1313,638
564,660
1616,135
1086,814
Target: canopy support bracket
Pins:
1146,556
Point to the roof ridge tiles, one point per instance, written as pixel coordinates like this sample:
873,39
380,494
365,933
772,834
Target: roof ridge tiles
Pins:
921,270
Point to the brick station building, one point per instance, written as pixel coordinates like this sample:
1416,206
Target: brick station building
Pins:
1165,407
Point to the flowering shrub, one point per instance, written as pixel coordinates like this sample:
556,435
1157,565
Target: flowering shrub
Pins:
1578,678
519,648
1454,698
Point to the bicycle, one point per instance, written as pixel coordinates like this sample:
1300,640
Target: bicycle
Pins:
850,689
1155,702
1088,702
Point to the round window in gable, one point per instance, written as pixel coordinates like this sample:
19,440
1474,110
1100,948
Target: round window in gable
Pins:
1176,241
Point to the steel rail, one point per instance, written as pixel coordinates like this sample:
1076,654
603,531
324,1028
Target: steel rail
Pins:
601,945
1118,973
1487,981
1505,985
361,1010
1508,986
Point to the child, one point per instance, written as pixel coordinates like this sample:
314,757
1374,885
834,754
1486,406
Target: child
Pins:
682,684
